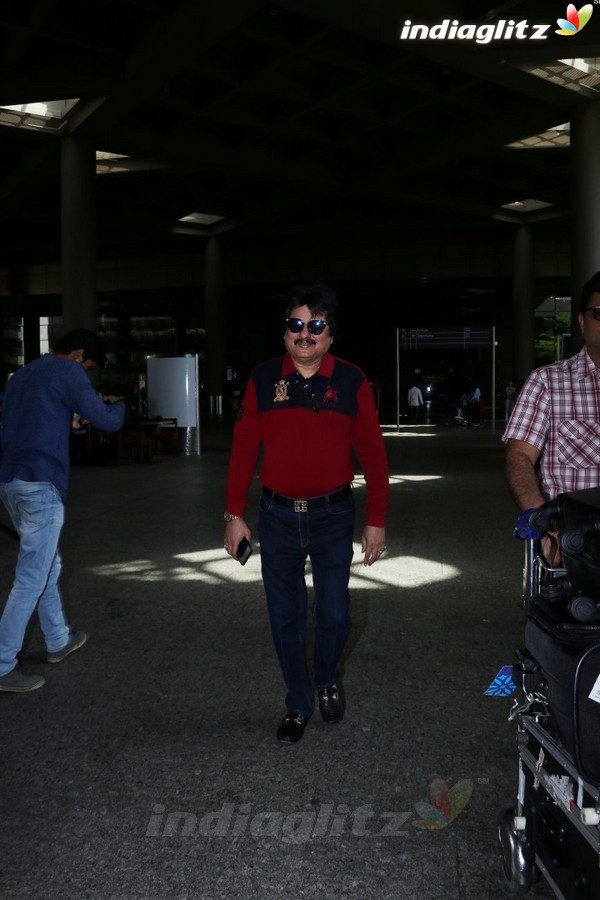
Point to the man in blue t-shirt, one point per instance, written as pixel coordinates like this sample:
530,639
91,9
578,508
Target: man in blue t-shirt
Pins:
39,404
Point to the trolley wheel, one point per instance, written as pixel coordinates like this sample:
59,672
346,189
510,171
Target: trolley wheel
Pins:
520,870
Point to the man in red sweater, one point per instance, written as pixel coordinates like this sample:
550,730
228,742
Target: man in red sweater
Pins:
309,411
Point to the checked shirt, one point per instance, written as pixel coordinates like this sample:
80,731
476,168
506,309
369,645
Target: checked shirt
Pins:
558,412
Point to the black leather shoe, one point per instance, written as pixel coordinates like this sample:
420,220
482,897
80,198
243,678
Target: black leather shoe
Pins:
331,704
291,728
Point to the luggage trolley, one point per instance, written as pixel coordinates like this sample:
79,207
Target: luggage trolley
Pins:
553,831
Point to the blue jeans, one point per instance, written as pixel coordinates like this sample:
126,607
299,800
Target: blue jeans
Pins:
287,538
37,512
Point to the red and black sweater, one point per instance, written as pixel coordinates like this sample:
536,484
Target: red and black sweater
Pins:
307,453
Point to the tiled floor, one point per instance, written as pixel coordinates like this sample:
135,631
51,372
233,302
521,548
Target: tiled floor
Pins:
147,766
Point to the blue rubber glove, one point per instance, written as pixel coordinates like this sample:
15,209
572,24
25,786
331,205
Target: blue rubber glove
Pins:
522,529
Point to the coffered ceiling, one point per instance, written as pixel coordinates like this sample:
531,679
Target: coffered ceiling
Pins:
282,117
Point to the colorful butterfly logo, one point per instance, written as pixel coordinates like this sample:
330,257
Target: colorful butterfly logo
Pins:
575,20
443,805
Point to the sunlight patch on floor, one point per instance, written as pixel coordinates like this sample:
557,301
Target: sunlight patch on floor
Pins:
214,567
359,480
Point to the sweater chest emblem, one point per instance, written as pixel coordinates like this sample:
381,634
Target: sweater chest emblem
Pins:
331,396
281,391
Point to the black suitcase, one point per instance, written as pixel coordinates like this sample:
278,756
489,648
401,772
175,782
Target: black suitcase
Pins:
567,657
554,828
562,633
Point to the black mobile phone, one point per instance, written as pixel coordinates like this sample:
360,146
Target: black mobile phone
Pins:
244,551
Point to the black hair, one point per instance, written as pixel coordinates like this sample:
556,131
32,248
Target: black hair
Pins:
82,339
590,287
320,299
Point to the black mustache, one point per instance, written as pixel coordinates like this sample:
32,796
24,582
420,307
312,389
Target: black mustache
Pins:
304,340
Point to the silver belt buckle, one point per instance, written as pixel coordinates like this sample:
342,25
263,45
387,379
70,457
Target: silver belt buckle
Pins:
300,505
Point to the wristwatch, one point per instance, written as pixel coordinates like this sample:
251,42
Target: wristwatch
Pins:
229,517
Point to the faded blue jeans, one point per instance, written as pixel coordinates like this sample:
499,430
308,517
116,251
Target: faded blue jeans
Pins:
37,512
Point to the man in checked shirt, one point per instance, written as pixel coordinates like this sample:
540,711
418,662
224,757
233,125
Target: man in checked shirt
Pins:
553,435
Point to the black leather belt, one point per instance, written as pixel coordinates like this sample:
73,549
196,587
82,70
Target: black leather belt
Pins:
310,502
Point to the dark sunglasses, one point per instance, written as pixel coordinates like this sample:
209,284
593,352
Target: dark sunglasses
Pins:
314,326
595,311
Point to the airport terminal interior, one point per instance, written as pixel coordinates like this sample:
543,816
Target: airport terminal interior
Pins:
169,169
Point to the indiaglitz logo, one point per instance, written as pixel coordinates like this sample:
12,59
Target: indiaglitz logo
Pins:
444,804
501,30
575,21
326,820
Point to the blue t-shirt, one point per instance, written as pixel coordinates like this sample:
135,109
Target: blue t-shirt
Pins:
37,413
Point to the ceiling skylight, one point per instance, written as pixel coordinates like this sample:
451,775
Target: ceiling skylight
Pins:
42,115
201,218
580,75
526,206
558,136
110,163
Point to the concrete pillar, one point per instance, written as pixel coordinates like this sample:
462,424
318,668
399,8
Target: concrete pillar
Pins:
585,211
216,349
523,304
31,335
17,286
78,232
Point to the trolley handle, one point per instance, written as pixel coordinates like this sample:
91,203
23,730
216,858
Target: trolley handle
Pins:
532,572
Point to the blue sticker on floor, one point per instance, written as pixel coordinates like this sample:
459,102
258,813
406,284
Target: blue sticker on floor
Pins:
502,685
